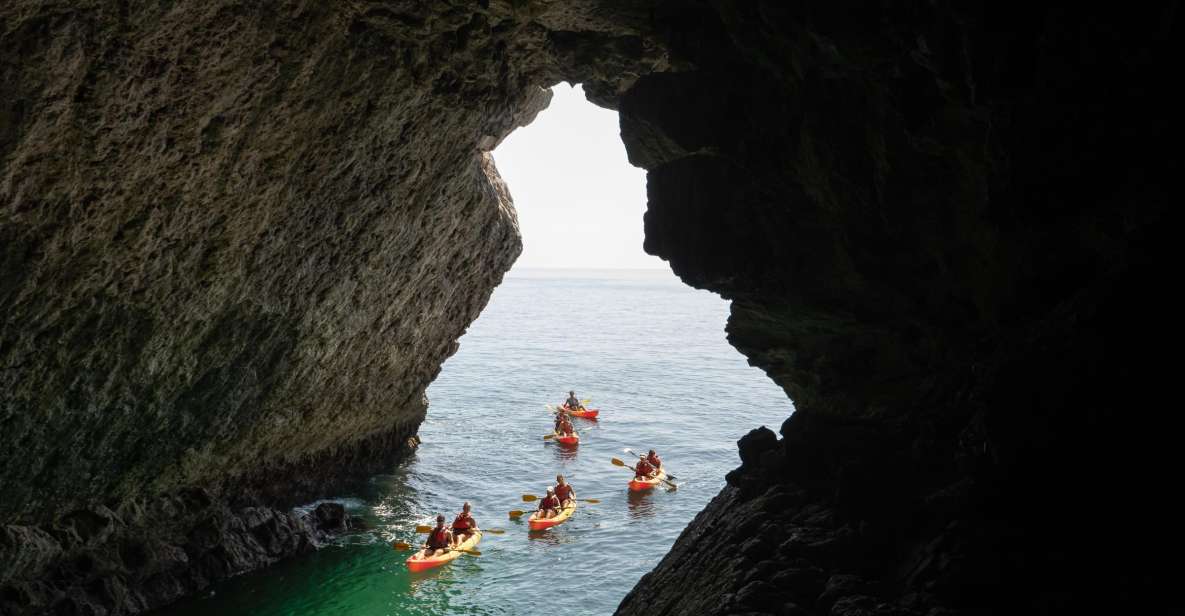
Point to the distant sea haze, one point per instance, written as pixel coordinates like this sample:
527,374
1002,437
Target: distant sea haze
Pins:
649,352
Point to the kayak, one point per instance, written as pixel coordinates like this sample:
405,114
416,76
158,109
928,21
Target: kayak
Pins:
536,524
417,562
645,484
585,413
573,439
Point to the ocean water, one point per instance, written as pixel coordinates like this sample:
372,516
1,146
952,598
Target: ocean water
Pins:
649,351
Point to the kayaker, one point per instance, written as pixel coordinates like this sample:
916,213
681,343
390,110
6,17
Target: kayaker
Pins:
653,459
564,426
572,403
561,418
439,540
564,491
464,526
549,505
643,469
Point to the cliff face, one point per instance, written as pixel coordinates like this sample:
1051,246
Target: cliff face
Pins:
237,243
942,231
238,240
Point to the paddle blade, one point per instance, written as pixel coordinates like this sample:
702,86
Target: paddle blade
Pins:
399,545
423,529
493,531
516,513
591,501
471,552
617,462
530,498
586,401
548,437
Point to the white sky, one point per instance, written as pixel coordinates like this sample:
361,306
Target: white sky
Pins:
579,201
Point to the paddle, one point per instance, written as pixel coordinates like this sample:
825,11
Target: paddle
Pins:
634,453
530,498
517,513
399,545
617,462
548,437
493,531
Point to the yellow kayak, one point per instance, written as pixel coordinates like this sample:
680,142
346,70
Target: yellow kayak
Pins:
417,561
535,523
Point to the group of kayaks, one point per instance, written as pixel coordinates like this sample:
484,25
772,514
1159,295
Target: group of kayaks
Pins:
535,522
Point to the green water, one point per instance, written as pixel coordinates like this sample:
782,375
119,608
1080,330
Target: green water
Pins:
648,350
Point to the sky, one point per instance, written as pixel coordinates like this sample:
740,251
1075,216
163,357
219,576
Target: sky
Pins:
579,201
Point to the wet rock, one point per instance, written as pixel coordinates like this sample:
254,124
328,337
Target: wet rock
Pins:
331,518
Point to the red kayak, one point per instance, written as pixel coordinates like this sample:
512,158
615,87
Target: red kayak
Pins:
585,413
567,439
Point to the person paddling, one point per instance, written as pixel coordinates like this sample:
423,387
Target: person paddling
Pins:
464,526
439,539
549,505
643,469
563,425
572,403
564,491
654,460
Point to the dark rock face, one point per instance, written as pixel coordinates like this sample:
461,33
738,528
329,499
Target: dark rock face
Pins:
941,229
149,552
237,242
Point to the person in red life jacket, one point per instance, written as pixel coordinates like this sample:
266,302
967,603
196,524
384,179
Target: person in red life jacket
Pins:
439,539
561,418
563,425
643,469
564,491
549,505
464,526
654,460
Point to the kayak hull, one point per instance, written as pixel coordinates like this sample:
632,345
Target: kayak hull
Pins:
638,485
586,413
567,440
416,562
534,523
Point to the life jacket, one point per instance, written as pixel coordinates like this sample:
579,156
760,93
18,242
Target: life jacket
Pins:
438,538
643,469
549,502
463,522
562,492
565,427
654,460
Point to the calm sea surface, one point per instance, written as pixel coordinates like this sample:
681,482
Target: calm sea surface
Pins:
651,354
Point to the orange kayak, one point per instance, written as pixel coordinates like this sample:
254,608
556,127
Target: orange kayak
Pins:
585,413
638,485
535,523
417,561
567,439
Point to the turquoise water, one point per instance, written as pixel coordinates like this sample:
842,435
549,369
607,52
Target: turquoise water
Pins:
649,351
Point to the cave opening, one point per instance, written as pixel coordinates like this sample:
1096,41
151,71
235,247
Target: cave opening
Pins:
583,308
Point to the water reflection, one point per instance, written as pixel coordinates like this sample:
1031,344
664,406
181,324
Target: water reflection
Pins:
549,536
641,505
565,453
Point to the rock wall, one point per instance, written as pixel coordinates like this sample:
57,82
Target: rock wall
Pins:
238,240
942,230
